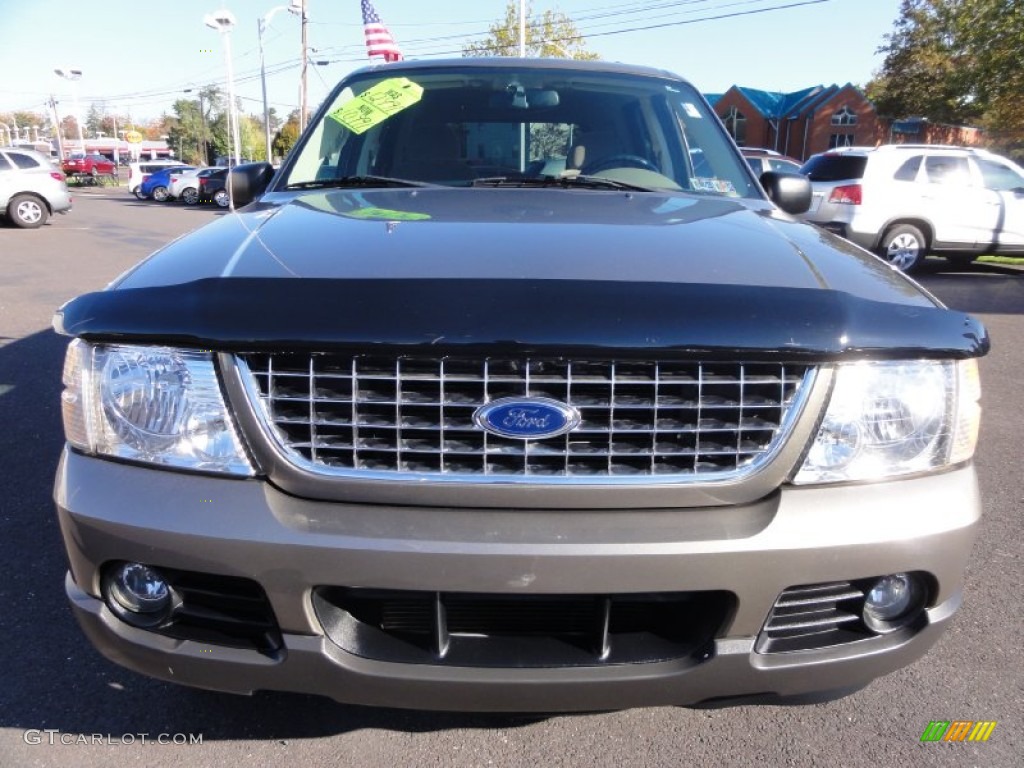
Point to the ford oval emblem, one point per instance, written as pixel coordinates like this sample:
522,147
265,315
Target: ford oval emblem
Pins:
526,418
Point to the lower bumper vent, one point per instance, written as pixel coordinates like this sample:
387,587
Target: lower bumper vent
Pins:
519,631
815,616
220,610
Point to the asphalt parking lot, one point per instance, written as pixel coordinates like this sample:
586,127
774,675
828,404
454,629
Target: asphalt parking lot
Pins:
62,704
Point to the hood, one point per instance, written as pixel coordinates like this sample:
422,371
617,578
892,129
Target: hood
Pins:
532,268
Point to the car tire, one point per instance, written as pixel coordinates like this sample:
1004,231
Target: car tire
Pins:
27,211
220,197
190,196
904,246
160,194
138,193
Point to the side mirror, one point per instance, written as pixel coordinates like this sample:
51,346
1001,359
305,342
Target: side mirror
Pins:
790,191
249,181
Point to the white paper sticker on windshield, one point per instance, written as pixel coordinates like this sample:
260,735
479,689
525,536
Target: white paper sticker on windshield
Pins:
718,186
691,110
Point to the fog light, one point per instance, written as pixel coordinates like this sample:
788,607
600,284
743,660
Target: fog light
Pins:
892,602
139,594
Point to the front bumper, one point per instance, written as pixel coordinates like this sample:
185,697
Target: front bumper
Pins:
289,546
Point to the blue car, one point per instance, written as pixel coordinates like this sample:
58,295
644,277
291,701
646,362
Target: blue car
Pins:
156,184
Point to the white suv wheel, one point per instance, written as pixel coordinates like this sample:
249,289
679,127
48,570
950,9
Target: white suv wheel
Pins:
904,247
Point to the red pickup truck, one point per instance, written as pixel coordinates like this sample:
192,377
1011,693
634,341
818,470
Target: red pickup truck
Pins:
91,165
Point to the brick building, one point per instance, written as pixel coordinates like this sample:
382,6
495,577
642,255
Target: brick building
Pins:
815,119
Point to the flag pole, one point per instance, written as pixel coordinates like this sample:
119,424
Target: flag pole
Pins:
522,54
305,66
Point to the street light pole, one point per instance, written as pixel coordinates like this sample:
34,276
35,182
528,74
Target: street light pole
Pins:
74,75
261,25
222,21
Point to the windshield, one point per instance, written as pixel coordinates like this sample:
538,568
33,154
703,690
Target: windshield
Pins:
456,125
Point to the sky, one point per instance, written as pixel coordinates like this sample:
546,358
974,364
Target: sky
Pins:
137,58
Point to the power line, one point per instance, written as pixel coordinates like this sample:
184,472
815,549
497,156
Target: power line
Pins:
439,45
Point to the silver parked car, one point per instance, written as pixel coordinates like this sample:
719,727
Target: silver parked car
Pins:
32,188
905,201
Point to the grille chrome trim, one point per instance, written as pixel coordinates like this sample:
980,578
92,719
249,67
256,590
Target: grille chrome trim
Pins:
346,404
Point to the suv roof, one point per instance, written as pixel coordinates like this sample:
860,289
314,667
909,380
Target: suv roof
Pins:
885,148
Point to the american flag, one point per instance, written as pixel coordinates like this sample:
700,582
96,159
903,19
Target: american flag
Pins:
379,41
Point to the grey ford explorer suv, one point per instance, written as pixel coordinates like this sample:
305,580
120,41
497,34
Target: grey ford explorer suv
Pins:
514,389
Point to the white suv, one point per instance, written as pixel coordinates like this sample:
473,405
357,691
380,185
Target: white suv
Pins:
908,200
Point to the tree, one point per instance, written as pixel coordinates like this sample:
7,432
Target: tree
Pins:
250,136
69,127
25,121
285,138
993,34
158,127
94,118
956,61
553,34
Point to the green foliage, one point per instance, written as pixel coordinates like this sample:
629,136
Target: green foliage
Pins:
250,136
198,127
553,35
25,120
993,33
69,127
94,119
549,140
956,61
285,138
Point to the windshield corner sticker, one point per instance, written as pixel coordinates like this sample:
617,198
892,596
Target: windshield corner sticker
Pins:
377,104
690,109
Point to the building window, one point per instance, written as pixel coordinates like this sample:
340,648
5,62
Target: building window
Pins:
736,125
844,116
840,140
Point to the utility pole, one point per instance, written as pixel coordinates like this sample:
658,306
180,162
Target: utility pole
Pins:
294,8
305,64
52,103
261,27
204,155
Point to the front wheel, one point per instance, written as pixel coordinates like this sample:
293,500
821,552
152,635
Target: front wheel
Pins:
190,196
138,193
27,211
220,197
904,246
160,194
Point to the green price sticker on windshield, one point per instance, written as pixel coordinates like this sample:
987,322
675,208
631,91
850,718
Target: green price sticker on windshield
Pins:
377,104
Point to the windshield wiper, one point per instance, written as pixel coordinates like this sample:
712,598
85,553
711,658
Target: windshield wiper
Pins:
356,181
566,182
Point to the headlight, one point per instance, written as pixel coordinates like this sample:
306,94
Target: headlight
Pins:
153,404
887,419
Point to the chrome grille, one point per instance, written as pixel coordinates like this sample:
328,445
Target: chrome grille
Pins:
411,414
